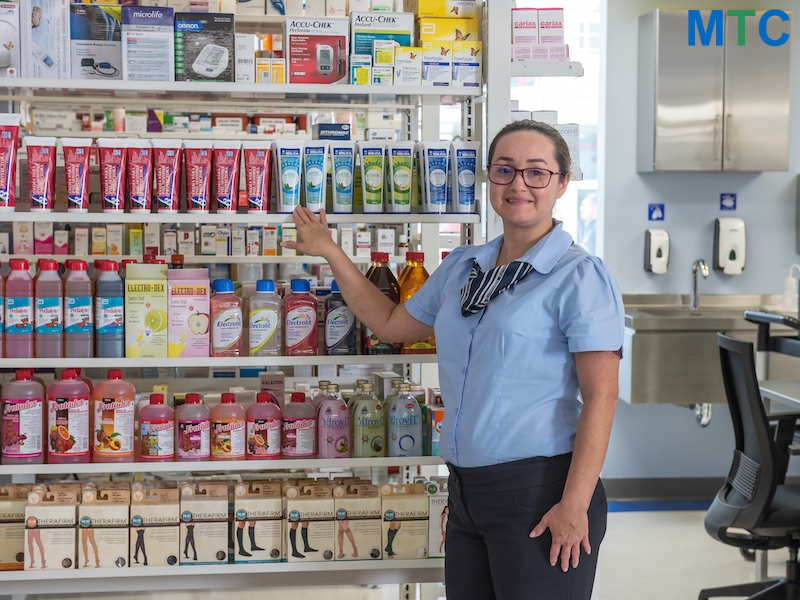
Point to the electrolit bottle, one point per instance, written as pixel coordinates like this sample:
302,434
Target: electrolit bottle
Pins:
226,321
69,420
228,429
78,312
109,312
23,434
300,314
333,426
340,325
412,279
156,431
193,431
49,291
264,427
369,425
114,408
265,320
404,426
19,310
381,277
2,313
299,428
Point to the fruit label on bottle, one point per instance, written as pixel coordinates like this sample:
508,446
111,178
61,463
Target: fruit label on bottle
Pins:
114,426
78,317
334,432
109,315
157,438
226,330
227,438
22,428
339,322
263,325
49,316
264,438
369,431
194,439
300,324
19,315
298,437
68,428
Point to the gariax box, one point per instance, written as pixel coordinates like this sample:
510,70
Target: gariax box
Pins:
104,535
148,43
309,513
316,49
205,47
45,38
13,498
146,307
154,526
358,520
95,41
258,511
10,42
188,310
204,523
366,27
50,519
405,520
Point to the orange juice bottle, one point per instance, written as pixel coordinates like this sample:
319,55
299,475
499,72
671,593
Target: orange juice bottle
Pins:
114,411
228,429
412,279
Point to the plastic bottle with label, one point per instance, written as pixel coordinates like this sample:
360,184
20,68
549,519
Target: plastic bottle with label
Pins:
300,315
264,426
381,277
226,320
412,279
404,426
265,320
22,435
193,430
79,375
369,424
69,420
19,310
2,314
114,405
156,431
78,312
333,426
340,325
109,312
228,429
49,319
299,428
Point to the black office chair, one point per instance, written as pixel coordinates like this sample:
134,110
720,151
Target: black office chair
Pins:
754,498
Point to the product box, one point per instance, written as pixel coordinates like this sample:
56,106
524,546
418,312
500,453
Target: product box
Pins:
288,234
551,52
316,50
383,381
204,47
152,238
277,70
336,8
408,65
60,242
274,383
45,38
186,242
237,242
146,311
448,30
467,64
382,75
545,116
551,25
95,41
223,242
309,513
43,237
331,131
81,241
148,43
50,520
204,523
189,293
253,241
155,527
208,239
405,521
571,132
246,46
437,521
385,241
23,237
346,240
258,511
10,42
363,243
13,498
358,519
449,9
103,522
436,414
170,242
437,63
99,241
383,53
525,26
114,237
366,27
360,69
251,7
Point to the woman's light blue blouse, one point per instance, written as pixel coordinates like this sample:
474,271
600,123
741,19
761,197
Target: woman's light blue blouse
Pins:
507,373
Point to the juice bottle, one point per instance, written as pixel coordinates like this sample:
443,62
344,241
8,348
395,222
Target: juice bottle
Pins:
19,311
299,428
226,321
412,279
49,291
157,431
369,425
69,420
22,436
300,310
381,277
78,312
228,429
2,312
264,426
265,320
333,426
340,325
109,312
404,424
79,375
114,413
193,431
123,268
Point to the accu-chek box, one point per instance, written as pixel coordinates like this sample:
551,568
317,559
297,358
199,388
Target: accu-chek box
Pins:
317,50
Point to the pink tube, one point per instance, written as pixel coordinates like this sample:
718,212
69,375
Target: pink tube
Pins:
227,157
167,159
41,153
9,134
140,176
77,157
113,167
257,168
198,175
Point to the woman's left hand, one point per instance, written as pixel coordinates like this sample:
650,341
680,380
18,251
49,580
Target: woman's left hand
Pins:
569,529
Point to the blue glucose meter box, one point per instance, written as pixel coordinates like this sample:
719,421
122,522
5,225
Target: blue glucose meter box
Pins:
148,43
205,47
95,41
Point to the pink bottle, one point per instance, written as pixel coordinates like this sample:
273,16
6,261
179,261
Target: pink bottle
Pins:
2,312
79,375
157,431
264,425
49,291
226,321
69,420
78,312
228,429
22,436
114,406
19,311
300,318
333,426
193,431
299,428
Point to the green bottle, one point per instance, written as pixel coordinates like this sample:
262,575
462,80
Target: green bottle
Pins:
369,425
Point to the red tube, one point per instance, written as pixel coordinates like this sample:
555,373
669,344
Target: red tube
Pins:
9,134
227,158
77,157
140,176
113,167
41,153
257,169
198,175
167,159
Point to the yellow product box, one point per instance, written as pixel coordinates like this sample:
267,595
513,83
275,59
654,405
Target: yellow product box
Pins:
309,526
448,30
146,311
467,63
407,65
189,293
258,511
437,63
358,520
277,70
50,519
103,522
154,526
405,521
204,523
437,520
13,498
99,241
448,9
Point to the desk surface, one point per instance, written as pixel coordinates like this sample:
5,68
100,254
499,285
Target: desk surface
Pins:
787,392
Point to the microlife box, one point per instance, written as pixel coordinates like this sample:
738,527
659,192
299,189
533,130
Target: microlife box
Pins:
316,50
366,27
146,311
448,30
204,47
103,525
408,65
154,528
10,43
95,41
148,43
188,293
437,63
525,26
551,25
467,63
204,523
50,520
358,513
405,521
45,38
309,523
449,9
13,498
258,511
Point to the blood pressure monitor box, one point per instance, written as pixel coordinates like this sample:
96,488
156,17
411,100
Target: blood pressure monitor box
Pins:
95,32
45,38
205,47
317,50
366,27
148,44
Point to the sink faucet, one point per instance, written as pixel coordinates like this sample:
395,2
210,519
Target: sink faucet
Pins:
698,265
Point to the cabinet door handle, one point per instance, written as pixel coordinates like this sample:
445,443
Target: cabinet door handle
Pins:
727,137
717,122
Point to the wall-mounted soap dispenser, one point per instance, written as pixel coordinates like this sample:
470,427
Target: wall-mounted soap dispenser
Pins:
729,245
656,251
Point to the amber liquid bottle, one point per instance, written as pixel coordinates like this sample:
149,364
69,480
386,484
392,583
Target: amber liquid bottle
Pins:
412,278
381,276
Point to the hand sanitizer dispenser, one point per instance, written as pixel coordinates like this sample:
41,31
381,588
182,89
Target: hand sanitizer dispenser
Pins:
656,251
729,245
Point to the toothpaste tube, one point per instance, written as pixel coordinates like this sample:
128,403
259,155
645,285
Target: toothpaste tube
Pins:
41,154
9,134
77,154
140,175
113,167
198,175
227,157
167,159
257,165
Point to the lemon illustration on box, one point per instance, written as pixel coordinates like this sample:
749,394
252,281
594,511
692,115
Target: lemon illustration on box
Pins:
146,311
188,310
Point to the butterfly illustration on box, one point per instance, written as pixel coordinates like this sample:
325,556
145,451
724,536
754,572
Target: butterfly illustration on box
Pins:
460,37
474,51
412,55
454,10
445,51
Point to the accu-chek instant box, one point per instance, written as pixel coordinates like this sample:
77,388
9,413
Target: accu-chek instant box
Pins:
366,27
204,47
95,41
148,44
45,38
317,50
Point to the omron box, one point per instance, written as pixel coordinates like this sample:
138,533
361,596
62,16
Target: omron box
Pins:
467,60
45,38
95,41
204,47
148,43
358,515
204,523
448,30
258,511
10,65
366,27
316,50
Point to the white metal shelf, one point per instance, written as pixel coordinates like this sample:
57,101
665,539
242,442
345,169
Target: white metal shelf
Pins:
546,68
172,135
192,259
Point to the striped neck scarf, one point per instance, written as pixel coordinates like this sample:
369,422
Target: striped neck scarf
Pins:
483,287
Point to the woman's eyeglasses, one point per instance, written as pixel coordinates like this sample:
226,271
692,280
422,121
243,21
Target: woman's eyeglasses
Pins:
533,177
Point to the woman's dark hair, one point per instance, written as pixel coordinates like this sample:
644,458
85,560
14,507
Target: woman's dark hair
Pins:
561,150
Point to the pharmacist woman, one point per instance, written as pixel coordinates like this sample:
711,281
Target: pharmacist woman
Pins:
523,324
